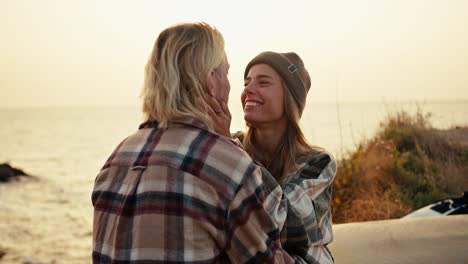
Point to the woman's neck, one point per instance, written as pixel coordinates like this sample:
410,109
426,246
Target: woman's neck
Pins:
268,138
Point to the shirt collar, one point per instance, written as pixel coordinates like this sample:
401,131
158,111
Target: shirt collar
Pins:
189,121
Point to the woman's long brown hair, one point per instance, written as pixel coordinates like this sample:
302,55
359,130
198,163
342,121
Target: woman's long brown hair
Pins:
293,147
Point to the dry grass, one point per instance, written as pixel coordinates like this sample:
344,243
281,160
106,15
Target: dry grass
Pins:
407,165
370,190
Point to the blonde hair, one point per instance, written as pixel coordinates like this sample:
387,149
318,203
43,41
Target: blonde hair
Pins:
292,148
176,74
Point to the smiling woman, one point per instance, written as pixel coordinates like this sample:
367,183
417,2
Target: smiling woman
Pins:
262,86
274,97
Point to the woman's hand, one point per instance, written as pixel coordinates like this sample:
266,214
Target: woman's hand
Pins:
219,111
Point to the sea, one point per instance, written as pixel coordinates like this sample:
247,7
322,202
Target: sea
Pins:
47,218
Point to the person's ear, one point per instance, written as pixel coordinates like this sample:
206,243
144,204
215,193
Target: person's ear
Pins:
211,83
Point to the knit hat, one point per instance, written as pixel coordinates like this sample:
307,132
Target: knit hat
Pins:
291,69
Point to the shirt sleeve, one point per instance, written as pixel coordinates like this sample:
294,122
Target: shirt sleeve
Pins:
256,217
304,206
308,226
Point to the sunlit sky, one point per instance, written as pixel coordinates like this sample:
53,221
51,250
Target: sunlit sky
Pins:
69,53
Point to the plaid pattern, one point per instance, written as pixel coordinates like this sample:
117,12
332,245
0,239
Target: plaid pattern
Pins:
183,194
314,178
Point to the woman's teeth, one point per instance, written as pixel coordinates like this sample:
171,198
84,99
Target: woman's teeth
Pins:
251,104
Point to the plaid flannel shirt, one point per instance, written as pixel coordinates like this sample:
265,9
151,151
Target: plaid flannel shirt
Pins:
319,170
186,194
308,227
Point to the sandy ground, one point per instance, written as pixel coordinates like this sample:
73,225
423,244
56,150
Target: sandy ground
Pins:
417,240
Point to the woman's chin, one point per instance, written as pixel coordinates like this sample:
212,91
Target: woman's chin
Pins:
251,119
248,118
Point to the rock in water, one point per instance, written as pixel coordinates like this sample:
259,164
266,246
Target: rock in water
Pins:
7,172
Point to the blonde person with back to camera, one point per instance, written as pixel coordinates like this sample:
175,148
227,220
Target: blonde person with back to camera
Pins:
175,190
274,97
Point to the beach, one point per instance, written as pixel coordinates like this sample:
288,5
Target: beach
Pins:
47,218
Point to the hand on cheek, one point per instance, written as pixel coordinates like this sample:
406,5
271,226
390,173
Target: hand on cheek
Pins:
221,116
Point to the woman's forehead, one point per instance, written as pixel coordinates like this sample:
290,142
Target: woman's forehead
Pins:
263,70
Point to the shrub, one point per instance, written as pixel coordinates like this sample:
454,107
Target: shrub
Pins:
407,165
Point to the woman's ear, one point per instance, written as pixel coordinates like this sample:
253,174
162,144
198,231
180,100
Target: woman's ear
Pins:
211,83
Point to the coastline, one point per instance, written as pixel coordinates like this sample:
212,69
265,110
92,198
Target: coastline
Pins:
48,219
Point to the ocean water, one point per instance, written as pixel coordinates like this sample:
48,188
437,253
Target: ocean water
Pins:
48,218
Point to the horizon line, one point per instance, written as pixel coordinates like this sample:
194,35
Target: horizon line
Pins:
410,101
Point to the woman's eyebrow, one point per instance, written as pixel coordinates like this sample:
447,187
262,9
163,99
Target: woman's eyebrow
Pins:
260,76
264,76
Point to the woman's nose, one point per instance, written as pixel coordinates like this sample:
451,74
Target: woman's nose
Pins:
249,88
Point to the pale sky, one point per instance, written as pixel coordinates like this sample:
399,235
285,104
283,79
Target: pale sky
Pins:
92,52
